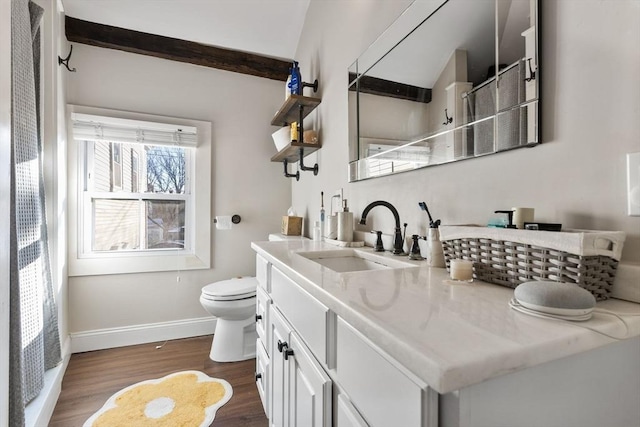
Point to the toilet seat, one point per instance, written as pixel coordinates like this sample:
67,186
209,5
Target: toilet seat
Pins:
231,290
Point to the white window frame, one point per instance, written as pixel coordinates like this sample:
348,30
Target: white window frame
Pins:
197,252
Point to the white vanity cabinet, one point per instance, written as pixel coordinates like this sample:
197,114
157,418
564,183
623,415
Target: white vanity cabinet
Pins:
294,388
322,371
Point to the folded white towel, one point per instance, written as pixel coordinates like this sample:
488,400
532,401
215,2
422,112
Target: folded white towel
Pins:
578,242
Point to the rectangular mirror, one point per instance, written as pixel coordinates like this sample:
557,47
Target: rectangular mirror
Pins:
427,91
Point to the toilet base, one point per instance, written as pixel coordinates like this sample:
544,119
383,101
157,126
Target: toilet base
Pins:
234,340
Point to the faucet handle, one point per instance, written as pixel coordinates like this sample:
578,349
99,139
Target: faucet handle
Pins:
414,254
379,247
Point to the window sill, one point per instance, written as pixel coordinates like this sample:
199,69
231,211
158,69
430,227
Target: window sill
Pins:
138,263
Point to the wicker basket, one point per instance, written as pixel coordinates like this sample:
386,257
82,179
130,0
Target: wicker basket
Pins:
509,257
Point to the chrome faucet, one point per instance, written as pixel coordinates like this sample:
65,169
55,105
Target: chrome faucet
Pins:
397,241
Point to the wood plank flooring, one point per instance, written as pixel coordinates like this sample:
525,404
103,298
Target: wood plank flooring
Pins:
92,377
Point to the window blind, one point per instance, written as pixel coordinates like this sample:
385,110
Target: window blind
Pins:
88,127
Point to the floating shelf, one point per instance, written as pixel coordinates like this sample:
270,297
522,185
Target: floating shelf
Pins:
290,110
291,153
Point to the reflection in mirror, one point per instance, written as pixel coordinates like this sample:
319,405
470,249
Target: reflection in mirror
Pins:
461,83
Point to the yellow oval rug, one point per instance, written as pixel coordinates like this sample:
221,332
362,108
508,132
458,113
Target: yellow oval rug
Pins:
182,399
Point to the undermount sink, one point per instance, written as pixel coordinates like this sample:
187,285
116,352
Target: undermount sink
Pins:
347,260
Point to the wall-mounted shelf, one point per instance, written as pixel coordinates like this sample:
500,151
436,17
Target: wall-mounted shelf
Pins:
290,110
291,152
295,109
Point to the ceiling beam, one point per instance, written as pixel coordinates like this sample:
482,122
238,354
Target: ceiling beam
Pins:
100,35
382,87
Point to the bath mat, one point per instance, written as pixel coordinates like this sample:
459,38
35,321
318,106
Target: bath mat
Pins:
188,398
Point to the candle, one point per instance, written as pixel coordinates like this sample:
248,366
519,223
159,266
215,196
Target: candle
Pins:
461,269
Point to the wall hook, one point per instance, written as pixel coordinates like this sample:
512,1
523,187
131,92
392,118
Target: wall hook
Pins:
447,119
532,74
65,61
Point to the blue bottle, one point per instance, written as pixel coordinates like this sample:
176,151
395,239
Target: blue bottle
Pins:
295,84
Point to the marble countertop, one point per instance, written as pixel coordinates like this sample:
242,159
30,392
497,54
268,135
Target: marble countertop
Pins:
449,334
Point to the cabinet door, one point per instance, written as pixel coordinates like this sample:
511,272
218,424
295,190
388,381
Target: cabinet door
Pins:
309,387
279,332
384,392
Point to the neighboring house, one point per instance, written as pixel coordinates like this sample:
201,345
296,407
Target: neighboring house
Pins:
117,224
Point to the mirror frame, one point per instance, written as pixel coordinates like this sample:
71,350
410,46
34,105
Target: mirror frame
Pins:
415,15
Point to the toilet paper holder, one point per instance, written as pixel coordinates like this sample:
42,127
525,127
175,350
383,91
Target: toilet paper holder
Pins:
234,219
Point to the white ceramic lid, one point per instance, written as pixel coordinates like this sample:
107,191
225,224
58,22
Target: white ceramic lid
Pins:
238,287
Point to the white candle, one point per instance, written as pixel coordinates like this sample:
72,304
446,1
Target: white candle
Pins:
461,269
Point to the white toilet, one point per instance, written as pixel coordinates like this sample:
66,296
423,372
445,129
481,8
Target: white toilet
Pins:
233,303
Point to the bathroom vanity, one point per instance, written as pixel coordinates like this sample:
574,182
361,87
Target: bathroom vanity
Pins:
398,344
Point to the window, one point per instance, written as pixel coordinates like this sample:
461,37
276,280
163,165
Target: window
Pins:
142,186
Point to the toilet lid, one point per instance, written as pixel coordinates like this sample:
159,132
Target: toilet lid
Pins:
237,288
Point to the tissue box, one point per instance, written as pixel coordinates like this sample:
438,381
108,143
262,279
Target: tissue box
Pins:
292,225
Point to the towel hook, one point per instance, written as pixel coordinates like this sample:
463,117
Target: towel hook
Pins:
65,61
532,74
447,119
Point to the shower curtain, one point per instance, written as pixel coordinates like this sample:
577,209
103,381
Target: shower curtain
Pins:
34,338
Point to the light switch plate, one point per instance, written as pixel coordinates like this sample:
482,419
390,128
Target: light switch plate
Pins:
633,184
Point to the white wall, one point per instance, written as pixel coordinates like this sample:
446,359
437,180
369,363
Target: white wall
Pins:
590,109
245,182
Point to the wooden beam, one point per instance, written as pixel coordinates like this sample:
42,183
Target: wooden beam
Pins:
100,35
382,87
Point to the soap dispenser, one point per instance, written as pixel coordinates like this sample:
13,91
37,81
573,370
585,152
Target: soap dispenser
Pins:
345,223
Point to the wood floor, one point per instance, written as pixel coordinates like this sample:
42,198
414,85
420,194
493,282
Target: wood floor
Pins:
92,377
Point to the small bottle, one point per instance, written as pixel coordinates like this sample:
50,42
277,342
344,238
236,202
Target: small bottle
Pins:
435,254
296,80
317,233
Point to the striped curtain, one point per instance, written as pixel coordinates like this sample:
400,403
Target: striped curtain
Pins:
34,338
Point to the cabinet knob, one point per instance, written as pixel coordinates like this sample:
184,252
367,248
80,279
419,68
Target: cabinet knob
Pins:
258,317
258,376
288,352
282,346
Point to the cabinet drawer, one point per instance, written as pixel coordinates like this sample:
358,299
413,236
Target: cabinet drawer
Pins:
306,314
262,273
262,316
384,394
262,375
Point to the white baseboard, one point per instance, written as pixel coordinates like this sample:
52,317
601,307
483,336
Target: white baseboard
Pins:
38,413
140,334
